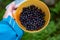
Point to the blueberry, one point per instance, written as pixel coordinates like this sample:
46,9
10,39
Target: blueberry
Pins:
32,18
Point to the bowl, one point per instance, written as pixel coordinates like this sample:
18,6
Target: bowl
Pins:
37,3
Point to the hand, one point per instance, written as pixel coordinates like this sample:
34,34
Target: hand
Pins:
10,10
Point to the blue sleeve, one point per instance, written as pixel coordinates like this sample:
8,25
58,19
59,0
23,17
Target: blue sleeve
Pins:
9,30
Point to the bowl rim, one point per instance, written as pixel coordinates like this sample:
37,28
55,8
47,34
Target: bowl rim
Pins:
15,17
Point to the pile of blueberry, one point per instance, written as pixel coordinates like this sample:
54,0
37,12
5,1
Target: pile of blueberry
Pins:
32,18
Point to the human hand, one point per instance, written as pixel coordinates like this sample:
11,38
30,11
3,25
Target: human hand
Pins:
10,10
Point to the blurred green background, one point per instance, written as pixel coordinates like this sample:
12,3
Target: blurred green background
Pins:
51,32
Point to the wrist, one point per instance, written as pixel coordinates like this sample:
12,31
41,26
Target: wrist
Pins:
7,13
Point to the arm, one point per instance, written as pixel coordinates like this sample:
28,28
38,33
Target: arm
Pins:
6,33
9,29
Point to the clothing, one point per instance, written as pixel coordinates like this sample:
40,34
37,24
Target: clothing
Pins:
9,29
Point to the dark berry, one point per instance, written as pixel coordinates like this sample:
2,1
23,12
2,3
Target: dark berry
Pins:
32,18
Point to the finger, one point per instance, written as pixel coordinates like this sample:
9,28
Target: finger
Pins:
11,6
14,11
